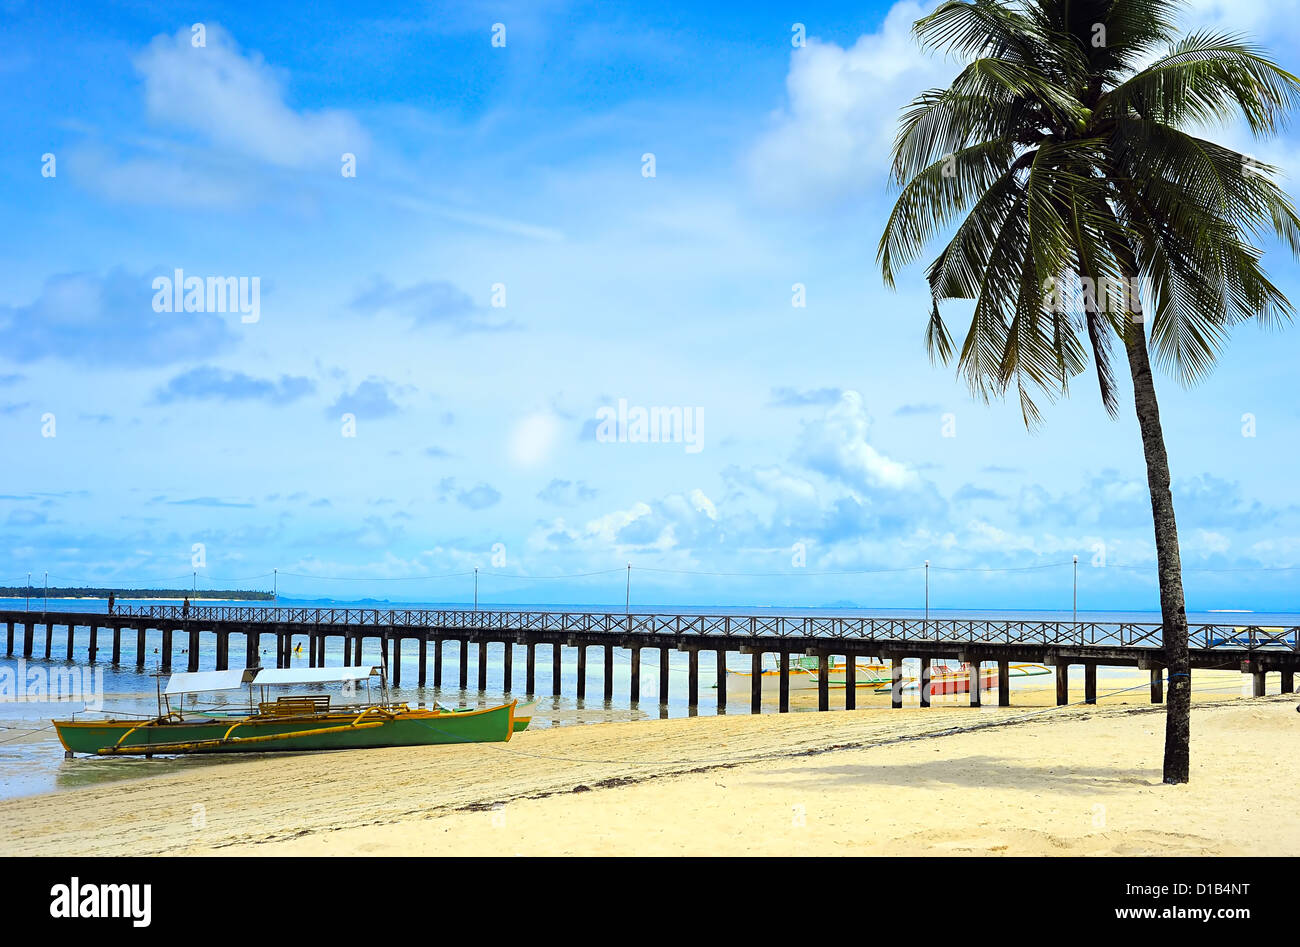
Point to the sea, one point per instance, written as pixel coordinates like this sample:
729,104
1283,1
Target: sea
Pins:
32,759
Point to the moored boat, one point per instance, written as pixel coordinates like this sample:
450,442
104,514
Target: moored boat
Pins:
803,673
293,723
944,679
523,713
949,680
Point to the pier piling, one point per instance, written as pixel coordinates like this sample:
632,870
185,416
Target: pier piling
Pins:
823,681
1004,683
976,683
925,682
1157,685
1090,683
756,682
783,705
895,682
166,649
71,629
397,660
1258,683
49,639
1288,682
555,670
663,677
424,661
634,687
508,663
609,673
850,682
530,668
692,679
28,632
437,662
721,681
582,670
463,644
482,664
1062,684
9,640
140,648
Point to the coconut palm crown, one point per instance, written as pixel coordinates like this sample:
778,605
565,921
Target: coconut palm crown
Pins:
1070,160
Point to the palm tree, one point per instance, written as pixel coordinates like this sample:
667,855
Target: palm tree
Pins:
1085,203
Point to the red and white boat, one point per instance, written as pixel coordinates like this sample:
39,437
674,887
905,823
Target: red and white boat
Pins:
945,679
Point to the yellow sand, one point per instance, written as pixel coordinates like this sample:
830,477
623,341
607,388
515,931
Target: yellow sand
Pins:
948,780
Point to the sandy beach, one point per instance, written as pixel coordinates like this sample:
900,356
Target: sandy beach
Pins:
1032,779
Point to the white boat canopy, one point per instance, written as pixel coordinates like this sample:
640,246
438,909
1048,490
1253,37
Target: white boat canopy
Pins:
274,676
191,682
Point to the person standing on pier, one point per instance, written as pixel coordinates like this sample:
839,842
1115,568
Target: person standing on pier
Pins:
110,603
185,608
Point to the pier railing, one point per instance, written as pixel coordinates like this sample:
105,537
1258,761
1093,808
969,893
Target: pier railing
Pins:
991,631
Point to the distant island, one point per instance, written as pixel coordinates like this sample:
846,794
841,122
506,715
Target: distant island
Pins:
38,591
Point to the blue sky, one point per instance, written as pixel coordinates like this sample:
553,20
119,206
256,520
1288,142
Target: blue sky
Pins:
516,175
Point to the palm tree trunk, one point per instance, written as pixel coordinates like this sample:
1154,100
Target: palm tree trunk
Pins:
1172,608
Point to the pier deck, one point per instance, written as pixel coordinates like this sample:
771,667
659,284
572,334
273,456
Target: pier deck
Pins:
1254,650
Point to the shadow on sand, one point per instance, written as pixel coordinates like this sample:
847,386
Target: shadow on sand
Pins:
976,772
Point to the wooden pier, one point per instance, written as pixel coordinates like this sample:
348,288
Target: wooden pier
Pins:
1255,651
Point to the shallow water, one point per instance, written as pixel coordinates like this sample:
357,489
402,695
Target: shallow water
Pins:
31,758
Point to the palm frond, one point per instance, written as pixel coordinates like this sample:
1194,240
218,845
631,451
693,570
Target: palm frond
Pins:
1206,78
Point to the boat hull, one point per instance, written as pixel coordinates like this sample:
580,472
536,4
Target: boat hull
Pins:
959,683
524,715
333,731
805,678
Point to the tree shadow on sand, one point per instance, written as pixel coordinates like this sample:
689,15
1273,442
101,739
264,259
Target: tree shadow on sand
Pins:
978,772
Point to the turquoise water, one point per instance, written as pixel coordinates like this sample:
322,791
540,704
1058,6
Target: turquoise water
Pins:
31,758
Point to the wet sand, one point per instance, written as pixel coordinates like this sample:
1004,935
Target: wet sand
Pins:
1024,780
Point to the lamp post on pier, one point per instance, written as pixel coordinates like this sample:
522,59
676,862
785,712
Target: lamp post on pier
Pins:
927,590
1076,590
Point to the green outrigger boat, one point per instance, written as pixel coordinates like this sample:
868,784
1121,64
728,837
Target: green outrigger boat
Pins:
523,713
289,724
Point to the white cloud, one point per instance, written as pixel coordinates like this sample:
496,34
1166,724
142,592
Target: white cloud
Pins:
835,134
836,446
238,102
150,180
606,528
703,504
787,487
1208,542
533,437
